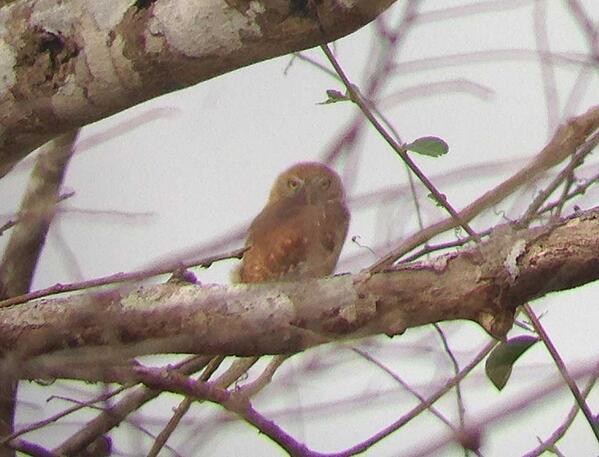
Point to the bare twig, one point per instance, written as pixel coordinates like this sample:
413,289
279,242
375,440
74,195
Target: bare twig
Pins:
363,446
561,430
561,366
584,150
252,388
122,277
564,143
456,369
182,409
578,190
357,98
105,421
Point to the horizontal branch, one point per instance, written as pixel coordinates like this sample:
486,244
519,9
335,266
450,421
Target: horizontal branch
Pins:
66,64
483,284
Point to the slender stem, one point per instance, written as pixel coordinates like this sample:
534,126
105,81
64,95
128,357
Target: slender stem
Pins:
584,407
585,149
409,388
456,369
549,443
121,277
366,444
181,410
401,151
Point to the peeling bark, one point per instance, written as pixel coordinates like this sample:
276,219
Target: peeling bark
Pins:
483,284
66,64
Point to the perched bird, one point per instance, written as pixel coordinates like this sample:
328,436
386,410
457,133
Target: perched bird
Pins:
300,231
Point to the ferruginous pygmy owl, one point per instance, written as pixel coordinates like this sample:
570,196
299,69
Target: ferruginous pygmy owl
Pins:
300,231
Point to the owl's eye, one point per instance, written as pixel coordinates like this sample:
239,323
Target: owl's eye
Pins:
325,183
293,183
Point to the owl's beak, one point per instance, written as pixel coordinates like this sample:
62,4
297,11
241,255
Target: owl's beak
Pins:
311,196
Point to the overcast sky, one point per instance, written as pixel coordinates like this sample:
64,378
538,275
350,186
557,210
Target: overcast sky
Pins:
197,164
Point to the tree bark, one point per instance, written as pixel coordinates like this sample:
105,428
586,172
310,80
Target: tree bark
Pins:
24,248
483,284
64,64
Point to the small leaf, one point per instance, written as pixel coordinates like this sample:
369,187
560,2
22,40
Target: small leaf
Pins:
334,96
429,146
498,366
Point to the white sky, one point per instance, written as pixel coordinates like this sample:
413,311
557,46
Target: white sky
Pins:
204,168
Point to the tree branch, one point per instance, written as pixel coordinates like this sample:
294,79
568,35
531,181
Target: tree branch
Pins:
68,64
567,139
483,284
25,246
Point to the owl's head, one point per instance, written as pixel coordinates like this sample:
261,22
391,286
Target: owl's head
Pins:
309,182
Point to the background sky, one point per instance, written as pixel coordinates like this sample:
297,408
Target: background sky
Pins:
169,178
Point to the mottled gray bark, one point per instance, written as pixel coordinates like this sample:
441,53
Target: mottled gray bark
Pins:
69,336
64,64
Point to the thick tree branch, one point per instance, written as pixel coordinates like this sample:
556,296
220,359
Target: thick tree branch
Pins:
25,246
35,215
484,284
66,64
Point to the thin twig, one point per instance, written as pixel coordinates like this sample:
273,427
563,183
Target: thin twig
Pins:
60,415
563,198
584,150
252,388
456,369
584,407
563,428
105,421
578,190
182,409
357,98
122,277
364,445
409,388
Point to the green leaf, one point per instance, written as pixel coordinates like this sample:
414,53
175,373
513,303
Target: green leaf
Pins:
498,366
334,96
429,146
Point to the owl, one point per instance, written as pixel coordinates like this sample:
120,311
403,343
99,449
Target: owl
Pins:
301,230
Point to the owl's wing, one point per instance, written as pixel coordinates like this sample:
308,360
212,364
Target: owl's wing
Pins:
334,229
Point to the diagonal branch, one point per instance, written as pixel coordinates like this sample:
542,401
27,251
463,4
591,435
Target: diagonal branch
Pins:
561,366
566,140
357,98
25,246
36,213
